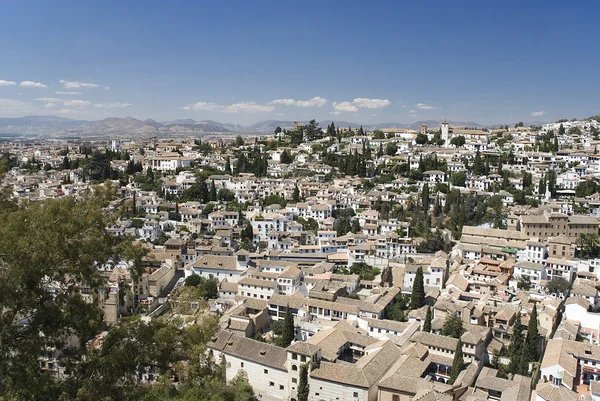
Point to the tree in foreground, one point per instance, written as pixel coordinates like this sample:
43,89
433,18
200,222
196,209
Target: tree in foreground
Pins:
49,251
303,388
457,363
417,298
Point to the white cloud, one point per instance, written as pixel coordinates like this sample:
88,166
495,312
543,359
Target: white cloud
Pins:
77,84
538,113
344,106
365,103
65,102
360,103
412,112
247,107
285,102
242,107
65,111
316,101
115,105
423,106
205,106
49,99
31,84
49,105
77,103
107,87
7,83
67,93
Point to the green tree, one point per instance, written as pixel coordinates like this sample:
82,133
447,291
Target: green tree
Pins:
391,149
213,192
425,197
289,330
427,323
459,179
296,194
417,297
303,387
248,232
558,285
458,141
193,280
516,343
453,327
532,335
421,139
286,157
457,363
66,240
228,166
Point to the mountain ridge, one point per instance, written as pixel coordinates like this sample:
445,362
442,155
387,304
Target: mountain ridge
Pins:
47,125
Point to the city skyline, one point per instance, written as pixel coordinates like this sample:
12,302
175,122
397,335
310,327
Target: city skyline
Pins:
358,63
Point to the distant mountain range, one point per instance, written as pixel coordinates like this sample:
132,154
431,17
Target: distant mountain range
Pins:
54,126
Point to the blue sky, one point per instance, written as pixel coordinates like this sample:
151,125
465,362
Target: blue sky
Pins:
357,61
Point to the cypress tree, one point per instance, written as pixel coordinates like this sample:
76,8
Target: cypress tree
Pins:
427,323
296,194
516,345
303,388
425,197
287,336
523,362
532,336
457,363
417,298
228,166
133,207
213,192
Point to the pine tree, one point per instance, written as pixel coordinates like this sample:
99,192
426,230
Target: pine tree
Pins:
287,335
417,298
228,166
303,388
457,363
427,323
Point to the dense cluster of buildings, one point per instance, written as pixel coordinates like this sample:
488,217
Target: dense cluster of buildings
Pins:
543,255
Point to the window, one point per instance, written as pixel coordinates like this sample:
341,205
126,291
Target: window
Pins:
355,394
281,387
271,384
294,368
395,398
266,371
294,380
242,364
